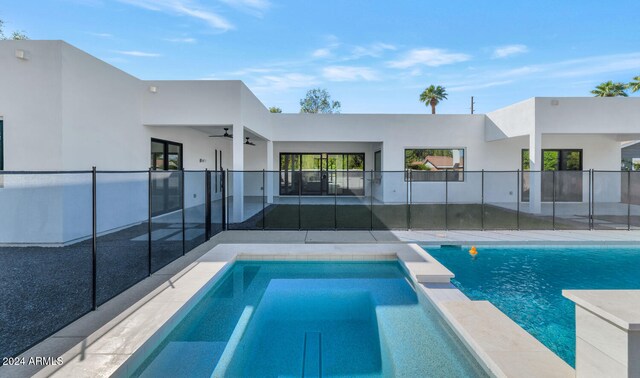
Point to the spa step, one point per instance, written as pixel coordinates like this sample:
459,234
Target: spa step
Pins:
185,359
312,355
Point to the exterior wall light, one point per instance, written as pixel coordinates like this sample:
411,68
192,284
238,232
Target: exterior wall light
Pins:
153,89
21,54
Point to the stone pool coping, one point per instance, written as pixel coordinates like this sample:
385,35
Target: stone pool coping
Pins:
121,345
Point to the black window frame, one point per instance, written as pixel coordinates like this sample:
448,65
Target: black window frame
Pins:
560,158
165,152
448,172
323,167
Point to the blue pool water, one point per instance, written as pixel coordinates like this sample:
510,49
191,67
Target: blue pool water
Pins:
526,283
278,319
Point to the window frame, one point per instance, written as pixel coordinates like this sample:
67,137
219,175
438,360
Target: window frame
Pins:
462,172
165,153
560,158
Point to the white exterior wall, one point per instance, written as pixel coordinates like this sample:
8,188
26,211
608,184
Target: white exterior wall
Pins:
67,110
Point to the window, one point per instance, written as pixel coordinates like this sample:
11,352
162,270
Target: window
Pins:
165,155
556,160
435,164
377,161
322,173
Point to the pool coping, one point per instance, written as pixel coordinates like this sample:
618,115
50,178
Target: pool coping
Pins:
120,346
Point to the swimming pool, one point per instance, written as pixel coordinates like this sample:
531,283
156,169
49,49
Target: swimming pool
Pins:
526,283
313,319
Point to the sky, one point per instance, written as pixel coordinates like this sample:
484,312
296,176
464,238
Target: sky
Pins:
372,56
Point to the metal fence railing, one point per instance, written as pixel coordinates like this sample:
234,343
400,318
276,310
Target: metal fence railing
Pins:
433,200
70,241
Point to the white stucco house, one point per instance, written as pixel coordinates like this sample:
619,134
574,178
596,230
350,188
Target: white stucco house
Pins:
63,109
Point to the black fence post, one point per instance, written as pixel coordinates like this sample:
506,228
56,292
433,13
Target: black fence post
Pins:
149,224
410,200
593,198
183,225
629,200
94,246
264,193
207,203
446,199
223,189
300,200
553,212
371,199
335,200
482,200
518,200
590,200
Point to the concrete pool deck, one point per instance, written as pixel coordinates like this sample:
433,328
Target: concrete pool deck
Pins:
124,304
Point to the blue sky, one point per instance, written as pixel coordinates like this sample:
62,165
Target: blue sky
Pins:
373,56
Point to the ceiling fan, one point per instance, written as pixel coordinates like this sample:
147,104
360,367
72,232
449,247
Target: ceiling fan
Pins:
249,142
225,135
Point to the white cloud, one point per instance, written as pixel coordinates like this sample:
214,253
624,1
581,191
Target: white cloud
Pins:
469,87
140,54
321,53
184,8
374,50
182,40
255,7
505,51
102,35
428,57
277,83
348,73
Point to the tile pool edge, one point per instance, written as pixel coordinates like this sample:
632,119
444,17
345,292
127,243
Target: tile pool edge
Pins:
119,347
501,347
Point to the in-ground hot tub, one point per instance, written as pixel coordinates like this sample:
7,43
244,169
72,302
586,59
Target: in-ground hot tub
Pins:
313,319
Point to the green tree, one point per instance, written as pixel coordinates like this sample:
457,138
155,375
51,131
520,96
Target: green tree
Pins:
432,95
634,86
16,35
275,109
610,89
319,101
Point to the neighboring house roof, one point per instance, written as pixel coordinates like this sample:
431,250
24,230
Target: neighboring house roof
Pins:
442,162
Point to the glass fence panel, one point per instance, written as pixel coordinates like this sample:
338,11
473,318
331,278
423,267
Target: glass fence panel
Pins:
501,200
464,201
282,202
167,218
572,200
428,200
245,209
45,255
194,209
610,210
390,192
536,208
122,220
217,201
353,203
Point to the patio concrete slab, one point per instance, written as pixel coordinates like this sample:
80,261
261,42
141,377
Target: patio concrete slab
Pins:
340,237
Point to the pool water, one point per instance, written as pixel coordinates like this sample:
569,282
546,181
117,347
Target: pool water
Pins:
289,319
526,283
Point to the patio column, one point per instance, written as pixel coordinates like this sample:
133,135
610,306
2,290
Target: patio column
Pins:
237,177
270,175
535,164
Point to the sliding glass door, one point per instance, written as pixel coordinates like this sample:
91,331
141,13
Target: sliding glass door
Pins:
322,173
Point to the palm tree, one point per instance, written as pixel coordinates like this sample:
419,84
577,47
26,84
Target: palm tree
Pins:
610,89
432,95
634,86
